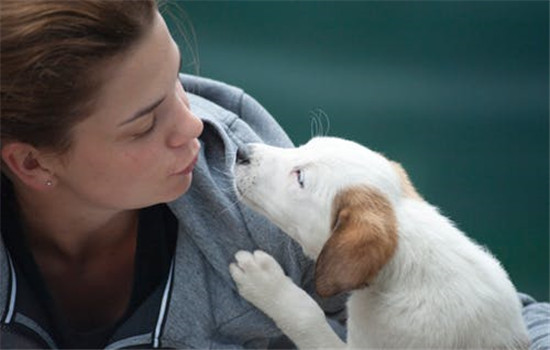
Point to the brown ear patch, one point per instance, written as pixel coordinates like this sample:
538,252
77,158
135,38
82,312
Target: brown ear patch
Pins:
364,238
406,184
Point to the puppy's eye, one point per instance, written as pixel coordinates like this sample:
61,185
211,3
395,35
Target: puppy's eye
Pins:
300,177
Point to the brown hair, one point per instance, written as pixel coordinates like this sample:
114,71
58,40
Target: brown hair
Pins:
51,52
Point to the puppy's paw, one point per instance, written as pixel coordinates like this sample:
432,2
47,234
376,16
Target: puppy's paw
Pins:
258,276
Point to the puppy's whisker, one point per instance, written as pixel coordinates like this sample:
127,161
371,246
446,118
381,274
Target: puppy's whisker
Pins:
314,126
225,173
229,207
227,189
320,122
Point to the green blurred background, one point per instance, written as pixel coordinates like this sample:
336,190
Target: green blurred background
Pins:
455,91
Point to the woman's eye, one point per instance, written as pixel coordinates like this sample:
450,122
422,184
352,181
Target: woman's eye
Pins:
300,178
148,130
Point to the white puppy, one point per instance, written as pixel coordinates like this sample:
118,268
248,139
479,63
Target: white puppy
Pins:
416,281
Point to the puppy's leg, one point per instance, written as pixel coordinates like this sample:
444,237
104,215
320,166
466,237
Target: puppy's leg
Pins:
261,281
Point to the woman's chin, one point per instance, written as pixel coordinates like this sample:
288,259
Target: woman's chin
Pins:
181,187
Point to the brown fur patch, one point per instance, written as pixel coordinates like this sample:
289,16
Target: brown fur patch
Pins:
364,238
406,184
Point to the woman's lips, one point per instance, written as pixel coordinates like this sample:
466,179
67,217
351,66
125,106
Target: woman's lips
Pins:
189,168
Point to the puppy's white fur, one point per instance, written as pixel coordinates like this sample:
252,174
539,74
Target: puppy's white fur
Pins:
416,281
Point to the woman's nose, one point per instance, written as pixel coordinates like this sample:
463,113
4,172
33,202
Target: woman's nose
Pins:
187,127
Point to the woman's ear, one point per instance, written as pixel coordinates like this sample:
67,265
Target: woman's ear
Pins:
28,164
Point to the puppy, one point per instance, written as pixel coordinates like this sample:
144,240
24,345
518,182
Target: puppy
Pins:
415,280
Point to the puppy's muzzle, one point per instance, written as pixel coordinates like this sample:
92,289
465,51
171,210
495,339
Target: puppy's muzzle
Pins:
243,155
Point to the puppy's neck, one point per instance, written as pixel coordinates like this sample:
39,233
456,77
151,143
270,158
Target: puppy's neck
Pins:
421,229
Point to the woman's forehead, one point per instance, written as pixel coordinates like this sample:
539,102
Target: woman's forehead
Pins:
140,76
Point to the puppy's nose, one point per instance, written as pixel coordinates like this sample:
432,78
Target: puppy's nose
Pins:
243,155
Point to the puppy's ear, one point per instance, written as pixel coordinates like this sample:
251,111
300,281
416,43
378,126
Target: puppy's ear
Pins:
406,184
364,238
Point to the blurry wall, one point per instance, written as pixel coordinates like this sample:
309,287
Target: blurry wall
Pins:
455,91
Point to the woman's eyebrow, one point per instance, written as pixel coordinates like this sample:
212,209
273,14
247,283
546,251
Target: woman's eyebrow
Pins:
155,104
143,111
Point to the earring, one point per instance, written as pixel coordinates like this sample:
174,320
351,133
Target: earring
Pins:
49,183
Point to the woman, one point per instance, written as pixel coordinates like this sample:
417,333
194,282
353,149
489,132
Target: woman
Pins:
118,219
98,133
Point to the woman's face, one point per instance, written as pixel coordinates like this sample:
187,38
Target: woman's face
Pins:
140,144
